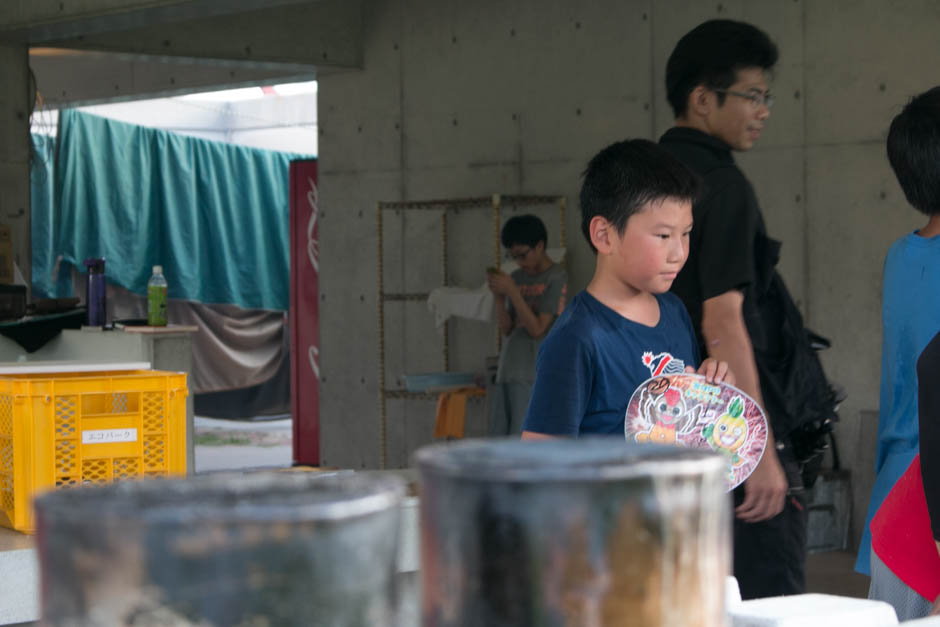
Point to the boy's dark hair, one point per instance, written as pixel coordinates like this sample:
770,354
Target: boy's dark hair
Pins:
528,230
622,178
914,151
711,55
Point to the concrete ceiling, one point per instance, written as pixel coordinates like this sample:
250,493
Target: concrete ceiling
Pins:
44,21
105,50
73,77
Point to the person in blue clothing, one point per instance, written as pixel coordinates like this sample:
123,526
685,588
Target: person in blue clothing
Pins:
910,304
636,214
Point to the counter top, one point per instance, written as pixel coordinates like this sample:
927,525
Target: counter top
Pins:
53,367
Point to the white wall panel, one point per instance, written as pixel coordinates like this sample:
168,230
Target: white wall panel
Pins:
864,59
360,141
464,181
360,111
850,229
15,153
777,177
437,138
348,319
856,212
568,129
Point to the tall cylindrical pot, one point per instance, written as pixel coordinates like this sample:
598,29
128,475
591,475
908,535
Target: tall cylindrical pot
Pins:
253,549
586,533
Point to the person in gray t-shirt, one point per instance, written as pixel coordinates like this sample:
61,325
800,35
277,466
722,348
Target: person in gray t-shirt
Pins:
527,302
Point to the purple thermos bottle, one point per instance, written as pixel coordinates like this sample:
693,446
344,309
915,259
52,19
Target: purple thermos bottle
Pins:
96,312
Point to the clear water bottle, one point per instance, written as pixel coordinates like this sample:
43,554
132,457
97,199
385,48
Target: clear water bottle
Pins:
156,298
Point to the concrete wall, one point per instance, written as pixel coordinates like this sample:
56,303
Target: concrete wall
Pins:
15,106
459,99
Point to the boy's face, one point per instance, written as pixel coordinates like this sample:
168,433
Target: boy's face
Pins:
529,258
738,121
654,245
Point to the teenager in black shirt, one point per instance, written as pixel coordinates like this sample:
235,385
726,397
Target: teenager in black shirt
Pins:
717,84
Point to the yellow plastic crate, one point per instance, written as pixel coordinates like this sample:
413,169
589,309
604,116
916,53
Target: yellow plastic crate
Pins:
72,429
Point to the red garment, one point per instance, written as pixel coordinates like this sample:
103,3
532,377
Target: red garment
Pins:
901,535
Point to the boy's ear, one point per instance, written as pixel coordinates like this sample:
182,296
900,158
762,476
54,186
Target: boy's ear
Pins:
700,101
602,234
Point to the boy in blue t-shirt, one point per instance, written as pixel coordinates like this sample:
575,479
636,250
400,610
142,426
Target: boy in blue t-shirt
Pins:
910,303
636,213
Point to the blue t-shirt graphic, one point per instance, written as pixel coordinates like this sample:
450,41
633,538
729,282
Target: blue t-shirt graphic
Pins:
593,359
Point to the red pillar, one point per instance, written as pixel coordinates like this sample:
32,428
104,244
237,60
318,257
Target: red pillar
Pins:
304,314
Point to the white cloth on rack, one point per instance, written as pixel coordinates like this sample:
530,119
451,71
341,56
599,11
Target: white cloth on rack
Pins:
473,303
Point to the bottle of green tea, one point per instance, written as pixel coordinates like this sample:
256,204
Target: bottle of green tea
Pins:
156,298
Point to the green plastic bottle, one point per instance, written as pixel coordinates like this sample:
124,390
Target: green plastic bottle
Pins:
156,298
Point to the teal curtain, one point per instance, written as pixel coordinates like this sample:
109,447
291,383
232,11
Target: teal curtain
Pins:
41,195
214,215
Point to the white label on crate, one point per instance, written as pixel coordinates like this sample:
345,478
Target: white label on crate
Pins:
107,436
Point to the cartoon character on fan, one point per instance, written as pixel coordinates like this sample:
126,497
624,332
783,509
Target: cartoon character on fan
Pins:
667,416
728,434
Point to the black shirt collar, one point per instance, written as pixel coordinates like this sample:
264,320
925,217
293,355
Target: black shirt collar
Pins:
719,149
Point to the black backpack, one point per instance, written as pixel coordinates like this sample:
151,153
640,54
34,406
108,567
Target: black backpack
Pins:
798,397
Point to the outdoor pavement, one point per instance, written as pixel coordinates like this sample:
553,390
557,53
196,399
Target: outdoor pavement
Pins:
239,444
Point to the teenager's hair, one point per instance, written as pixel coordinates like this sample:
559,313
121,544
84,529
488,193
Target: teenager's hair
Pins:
914,151
622,178
528,230
711,55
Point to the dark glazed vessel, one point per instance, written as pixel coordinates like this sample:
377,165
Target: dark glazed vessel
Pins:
255,549
575,533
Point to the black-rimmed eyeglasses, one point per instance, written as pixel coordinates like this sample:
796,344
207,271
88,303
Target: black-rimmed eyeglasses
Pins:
757,98
517,256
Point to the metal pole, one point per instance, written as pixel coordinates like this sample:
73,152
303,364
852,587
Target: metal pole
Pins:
380,309
444,271
497,250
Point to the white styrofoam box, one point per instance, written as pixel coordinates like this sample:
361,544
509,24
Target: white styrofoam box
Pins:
930,621
409,558
732,592
812,610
